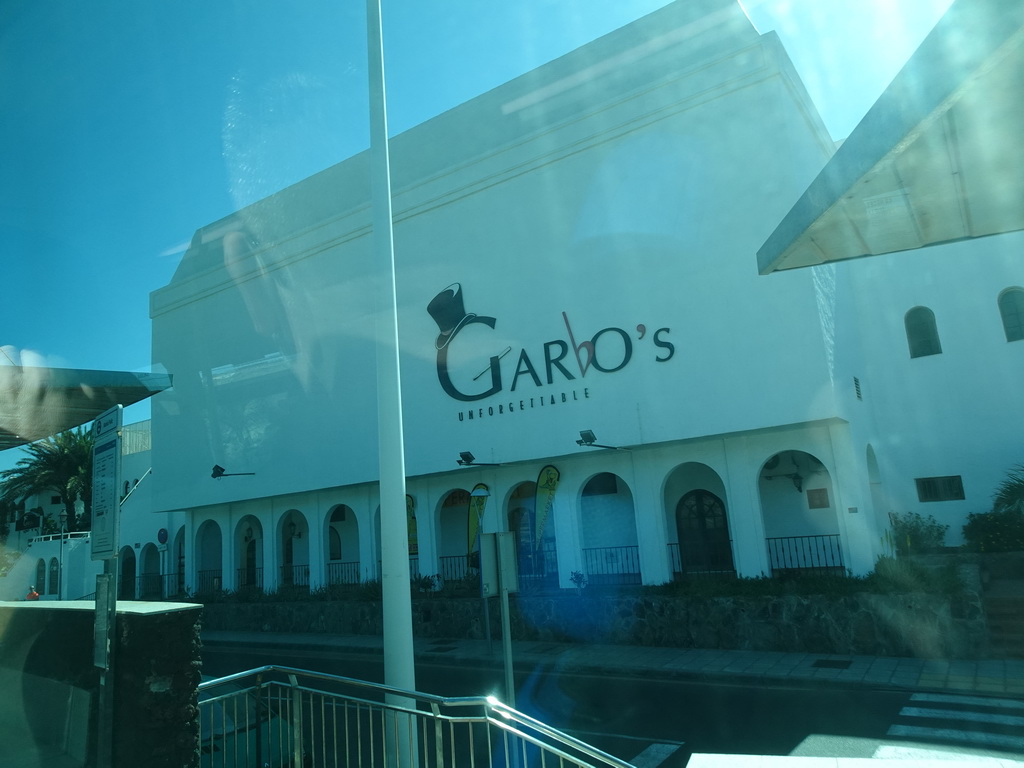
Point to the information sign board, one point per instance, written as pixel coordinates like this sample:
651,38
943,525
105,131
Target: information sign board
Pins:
106,471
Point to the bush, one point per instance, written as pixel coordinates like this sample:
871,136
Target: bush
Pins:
996,531
915,534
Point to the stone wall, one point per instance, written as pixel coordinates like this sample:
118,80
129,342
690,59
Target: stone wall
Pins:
49,707
915,624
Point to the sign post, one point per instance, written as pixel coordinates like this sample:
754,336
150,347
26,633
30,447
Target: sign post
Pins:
499,577
106,512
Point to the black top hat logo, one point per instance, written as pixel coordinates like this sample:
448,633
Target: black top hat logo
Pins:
449,313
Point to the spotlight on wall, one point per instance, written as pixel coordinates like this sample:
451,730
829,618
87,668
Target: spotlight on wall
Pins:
589,440
467,459
219,472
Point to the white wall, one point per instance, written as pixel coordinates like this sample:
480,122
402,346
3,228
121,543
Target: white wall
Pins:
636,209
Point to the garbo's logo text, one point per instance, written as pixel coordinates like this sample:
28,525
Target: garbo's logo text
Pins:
448,312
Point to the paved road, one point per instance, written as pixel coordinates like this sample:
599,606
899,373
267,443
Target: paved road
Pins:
662,722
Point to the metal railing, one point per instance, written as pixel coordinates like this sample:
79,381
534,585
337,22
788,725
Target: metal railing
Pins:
209,581
149,586
821,553
538,569
454,567
701,559
343,573
280,716
612,565
174,585
250,578
295,575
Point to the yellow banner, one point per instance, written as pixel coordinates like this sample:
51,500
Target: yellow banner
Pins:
477,502
547,484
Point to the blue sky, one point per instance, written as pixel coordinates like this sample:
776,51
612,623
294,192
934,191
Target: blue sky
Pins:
127,125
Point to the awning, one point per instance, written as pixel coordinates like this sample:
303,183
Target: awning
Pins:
938,158
39,402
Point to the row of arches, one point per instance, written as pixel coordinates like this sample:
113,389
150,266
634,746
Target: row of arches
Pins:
48,576
596,530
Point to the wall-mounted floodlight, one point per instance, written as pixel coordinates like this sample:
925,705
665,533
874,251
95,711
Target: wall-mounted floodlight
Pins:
467,459
219,472
589,440
478,492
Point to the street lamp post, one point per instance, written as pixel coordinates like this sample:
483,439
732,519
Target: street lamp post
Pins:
63,517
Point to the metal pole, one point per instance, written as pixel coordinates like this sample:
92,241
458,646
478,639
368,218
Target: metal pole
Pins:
506,641
399,668
60,573
107,614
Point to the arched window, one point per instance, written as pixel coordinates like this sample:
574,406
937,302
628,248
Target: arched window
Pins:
54,580
922,335
1011,308
40,584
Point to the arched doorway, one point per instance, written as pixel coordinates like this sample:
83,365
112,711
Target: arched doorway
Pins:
53,587
611,553
697,522
800,519
149,573
176,580
454,546
249,549
209,576
703,530
294,537
126,582
536,555
343,546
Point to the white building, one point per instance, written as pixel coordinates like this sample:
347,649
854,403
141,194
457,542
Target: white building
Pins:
576,251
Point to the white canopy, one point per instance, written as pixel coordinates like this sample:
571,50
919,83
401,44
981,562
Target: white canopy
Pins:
938,158
39,402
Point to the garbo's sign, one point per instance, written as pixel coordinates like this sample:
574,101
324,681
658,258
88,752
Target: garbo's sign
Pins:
563,358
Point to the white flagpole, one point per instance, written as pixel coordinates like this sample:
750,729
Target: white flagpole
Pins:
399,667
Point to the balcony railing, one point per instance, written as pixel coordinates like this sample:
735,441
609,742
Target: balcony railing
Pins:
174,584
295,575
279,716
612,565
250,578
343,573
209,581
701,559
820,554
538,569
454,567
150,586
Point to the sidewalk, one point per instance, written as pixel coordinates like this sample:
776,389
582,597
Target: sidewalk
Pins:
984,677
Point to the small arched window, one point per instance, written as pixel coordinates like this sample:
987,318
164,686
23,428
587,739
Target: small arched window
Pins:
922,335
40,584
1011,308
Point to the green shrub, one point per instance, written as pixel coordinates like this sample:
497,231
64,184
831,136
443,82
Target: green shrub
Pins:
916,534
996,531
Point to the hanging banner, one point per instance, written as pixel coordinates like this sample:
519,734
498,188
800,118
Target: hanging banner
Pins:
547,484
477,502
410,520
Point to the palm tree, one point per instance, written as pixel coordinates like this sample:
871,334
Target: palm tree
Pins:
60,465
1009,496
